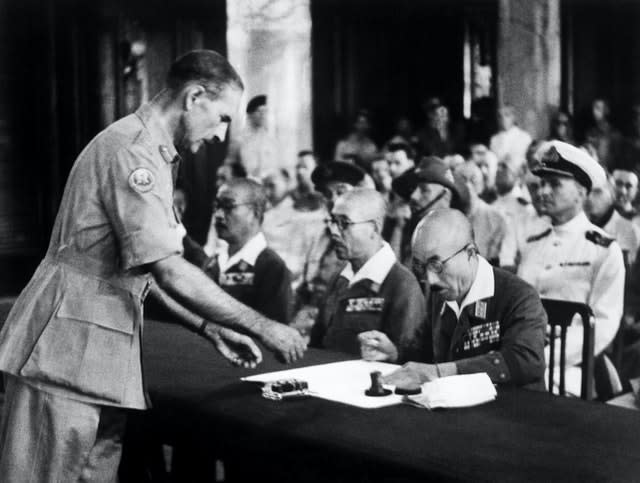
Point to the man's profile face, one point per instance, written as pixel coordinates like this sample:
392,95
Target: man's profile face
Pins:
305,166
234,215
626,187
450,282
209,118
259,117
349,239
505,178
506,118
276,187
425,194
559,195
533,186
333,190
380,172
599,201
398,163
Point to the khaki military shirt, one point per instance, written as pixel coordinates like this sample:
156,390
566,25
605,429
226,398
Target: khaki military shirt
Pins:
75,329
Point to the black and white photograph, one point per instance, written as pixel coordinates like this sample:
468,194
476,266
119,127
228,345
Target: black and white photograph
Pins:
313,241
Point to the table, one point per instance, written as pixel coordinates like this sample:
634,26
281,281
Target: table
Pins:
522,436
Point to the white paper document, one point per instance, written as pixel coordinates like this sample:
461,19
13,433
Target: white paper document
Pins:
343,382
455,392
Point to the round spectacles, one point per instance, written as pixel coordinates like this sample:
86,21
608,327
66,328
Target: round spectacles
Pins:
342,223
434,265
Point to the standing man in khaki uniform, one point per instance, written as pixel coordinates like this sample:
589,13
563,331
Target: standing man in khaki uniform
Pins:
70,348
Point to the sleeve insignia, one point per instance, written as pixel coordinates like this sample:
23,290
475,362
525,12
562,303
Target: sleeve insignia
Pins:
141,180
598,238
365,304
539,236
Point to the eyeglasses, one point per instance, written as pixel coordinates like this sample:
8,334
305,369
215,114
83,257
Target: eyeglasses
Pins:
226,206
342,223
434,266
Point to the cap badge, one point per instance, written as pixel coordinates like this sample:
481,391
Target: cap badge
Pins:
551,156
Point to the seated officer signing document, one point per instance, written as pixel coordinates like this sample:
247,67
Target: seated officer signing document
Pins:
479,318
372,291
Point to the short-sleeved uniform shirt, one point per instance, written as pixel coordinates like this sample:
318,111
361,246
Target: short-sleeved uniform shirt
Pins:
75,329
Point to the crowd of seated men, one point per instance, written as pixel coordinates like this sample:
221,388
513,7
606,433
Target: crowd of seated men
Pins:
435,252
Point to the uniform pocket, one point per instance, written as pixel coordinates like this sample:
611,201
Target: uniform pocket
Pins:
86,345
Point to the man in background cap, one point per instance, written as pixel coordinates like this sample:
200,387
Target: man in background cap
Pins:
574,259
625,183
255,150
427,187
332,179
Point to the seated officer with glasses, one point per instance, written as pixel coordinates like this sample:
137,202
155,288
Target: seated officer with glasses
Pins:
479,318
372,292
244,266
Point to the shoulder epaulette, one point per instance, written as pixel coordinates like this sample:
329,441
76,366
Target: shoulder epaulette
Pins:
539,236
598,238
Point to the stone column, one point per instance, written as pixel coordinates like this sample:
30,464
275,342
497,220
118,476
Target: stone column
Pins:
269,43
529,67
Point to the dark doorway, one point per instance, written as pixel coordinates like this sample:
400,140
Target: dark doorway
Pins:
388,56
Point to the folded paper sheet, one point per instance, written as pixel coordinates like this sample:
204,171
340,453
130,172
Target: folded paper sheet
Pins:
455,392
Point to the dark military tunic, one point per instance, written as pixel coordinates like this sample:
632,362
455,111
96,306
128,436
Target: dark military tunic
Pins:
259,279
395,306
501,333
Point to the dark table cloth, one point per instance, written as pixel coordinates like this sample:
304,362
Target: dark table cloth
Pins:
522,436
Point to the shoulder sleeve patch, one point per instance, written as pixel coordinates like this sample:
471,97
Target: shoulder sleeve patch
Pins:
598,238
141,180
539,236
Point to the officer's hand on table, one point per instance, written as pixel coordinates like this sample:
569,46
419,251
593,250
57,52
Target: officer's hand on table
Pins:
376,346
238,349
411,374
283,340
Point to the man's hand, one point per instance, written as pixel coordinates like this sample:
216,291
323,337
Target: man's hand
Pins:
411,374
284,340
376,346
238,349
304,320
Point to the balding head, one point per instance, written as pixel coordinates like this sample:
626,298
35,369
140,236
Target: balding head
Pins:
356,231
444,253
362,204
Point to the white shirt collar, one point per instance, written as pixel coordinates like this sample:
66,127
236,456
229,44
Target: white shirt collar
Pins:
248,253
483,287
375,269
578,223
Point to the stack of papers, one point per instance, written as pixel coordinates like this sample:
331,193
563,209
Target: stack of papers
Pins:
455,392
